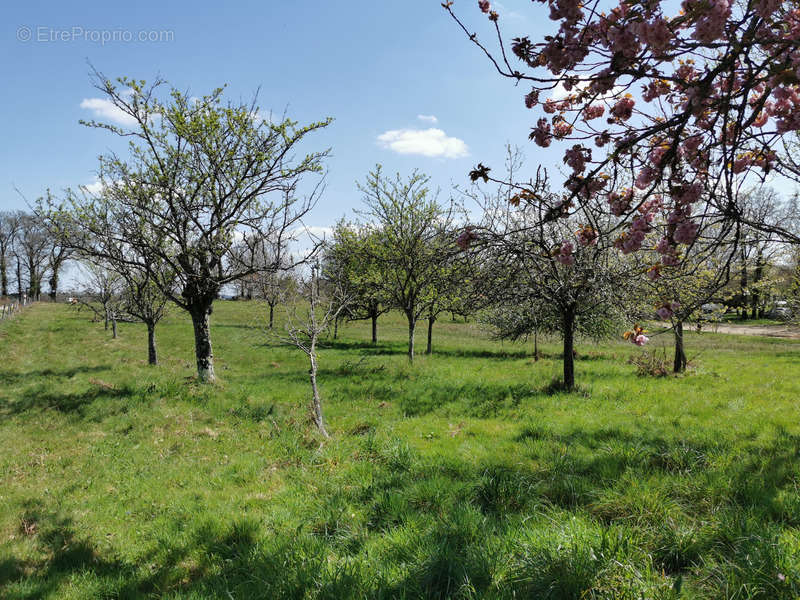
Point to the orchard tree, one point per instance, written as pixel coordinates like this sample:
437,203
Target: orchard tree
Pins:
102,286
309,316
351,259
687,107
558,267
413,234
144,300
202,177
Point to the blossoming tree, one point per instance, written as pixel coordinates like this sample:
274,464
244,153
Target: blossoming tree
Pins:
686,107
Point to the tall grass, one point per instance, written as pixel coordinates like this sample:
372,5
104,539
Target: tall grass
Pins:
468,475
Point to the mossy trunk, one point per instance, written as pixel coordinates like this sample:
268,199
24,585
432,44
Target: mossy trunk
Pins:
202,343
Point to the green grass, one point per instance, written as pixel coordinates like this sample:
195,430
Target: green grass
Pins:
467,476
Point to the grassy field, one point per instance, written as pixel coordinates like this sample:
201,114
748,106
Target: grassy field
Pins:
467,476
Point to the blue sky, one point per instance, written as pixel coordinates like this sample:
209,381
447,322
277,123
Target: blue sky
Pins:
373,66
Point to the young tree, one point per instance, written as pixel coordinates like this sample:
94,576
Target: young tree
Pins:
144,300
202,178
304,327
350,258
695,104
103,286
412,231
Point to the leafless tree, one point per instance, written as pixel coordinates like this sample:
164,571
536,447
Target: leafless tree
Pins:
306,324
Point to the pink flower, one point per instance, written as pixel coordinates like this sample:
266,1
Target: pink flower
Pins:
685,232
664,313
641,339
484,6
466,237
564,255
623,109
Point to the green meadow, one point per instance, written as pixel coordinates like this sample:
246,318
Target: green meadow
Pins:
467,475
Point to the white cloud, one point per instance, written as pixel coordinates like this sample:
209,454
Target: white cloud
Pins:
94,188
426,142
428,119
105,109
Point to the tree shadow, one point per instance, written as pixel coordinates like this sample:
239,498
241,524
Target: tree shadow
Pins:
41,397
12,378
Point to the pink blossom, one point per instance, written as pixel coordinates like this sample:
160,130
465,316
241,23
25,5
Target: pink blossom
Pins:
641,339
623,109
664,313
685,232
484,6
466,237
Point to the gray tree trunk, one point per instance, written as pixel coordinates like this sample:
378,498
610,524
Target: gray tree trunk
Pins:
271,315
431,321
679,364
374,328
113,327
19,281
569,347
3,275
536,345
152,354
316,402
412,325
202,344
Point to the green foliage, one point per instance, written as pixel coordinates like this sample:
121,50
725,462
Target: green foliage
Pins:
468,476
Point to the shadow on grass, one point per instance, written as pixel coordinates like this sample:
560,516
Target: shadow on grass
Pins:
42,397
11,378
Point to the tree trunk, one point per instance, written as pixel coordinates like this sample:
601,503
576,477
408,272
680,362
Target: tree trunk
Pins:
412,325
679,364
569,347
536,345
105,311
336,328
431,321
316,402
3,276
271,315
113,326
19,281
152,354
374,328
54,285
202,344
743,285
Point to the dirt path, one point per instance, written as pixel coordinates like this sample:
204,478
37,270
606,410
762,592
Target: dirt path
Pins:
781,331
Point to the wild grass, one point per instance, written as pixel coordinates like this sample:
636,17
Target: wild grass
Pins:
468,475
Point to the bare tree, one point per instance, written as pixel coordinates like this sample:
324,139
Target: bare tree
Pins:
8,231
32,246
102,293
304,327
